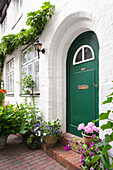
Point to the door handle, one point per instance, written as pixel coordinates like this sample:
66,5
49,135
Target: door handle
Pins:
96,85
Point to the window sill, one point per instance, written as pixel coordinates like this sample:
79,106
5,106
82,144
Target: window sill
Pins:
27,95
9,95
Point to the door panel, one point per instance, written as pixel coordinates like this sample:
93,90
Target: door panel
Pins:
82,96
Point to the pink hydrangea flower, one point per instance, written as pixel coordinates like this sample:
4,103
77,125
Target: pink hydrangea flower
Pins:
88,129
90,124
81,126
95,128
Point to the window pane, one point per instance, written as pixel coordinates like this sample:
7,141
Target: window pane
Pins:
24,57
87,53
79,56
29,70
10,83
30,53
36,66
37,84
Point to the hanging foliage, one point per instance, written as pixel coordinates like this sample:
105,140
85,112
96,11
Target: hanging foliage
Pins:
36,21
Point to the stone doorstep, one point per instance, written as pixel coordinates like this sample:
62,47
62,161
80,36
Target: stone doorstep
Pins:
71,159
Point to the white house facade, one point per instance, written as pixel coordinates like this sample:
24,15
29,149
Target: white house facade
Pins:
78,28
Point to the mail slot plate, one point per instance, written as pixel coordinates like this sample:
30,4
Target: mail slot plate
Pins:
83,87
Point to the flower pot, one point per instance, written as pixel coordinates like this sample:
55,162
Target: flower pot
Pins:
87,139
50,140
3,140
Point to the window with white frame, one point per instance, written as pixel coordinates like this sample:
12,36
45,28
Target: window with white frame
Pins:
83,54
30,65
10,77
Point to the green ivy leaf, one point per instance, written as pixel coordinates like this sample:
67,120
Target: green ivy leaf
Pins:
108,125
109,100
103,116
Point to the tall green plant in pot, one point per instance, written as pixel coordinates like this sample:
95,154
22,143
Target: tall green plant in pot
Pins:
108,125
28,126
27,86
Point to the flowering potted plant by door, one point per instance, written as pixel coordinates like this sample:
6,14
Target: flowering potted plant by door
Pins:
51,132
89,131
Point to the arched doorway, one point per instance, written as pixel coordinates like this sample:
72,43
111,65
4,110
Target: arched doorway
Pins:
82,81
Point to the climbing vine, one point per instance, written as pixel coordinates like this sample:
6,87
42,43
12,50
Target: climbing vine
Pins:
36,21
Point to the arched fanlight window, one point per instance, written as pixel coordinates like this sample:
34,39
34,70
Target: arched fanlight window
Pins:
84,54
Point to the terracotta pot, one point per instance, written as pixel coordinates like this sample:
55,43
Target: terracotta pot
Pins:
86,139
3,140
50,140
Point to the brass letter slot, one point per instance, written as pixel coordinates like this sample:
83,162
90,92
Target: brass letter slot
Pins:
83,87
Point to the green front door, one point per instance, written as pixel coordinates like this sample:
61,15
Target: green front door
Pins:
82,81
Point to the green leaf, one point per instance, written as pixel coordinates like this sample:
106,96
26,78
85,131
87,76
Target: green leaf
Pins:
112,165
94,121
106,148
108,125
103,116
109,100
84,146
95,159
109,138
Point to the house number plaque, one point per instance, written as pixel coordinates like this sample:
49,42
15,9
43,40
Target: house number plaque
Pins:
83,87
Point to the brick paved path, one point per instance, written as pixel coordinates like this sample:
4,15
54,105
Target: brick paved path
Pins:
17,156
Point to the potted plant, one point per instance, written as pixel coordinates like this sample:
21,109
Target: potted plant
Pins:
88,131
51,132
28,130
91,157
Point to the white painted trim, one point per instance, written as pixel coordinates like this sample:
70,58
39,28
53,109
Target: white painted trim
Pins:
83,61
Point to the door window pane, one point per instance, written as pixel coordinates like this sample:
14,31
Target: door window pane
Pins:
87,53
79,56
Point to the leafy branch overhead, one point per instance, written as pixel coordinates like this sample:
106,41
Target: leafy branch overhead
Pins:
36,21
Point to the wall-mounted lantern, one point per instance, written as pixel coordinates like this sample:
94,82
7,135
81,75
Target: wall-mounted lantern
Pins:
38,47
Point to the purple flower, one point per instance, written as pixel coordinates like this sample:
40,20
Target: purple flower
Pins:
71,140
82,156
41,129
39,124
48,133
92,136
61,131
66,148
92,143
51,134
91,153
57,131
36,124
37,132
82,150
97,149
100,140
76,143
52,130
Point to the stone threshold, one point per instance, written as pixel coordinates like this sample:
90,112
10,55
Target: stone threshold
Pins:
69,159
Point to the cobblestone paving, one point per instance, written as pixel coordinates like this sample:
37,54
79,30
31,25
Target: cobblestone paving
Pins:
17,156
